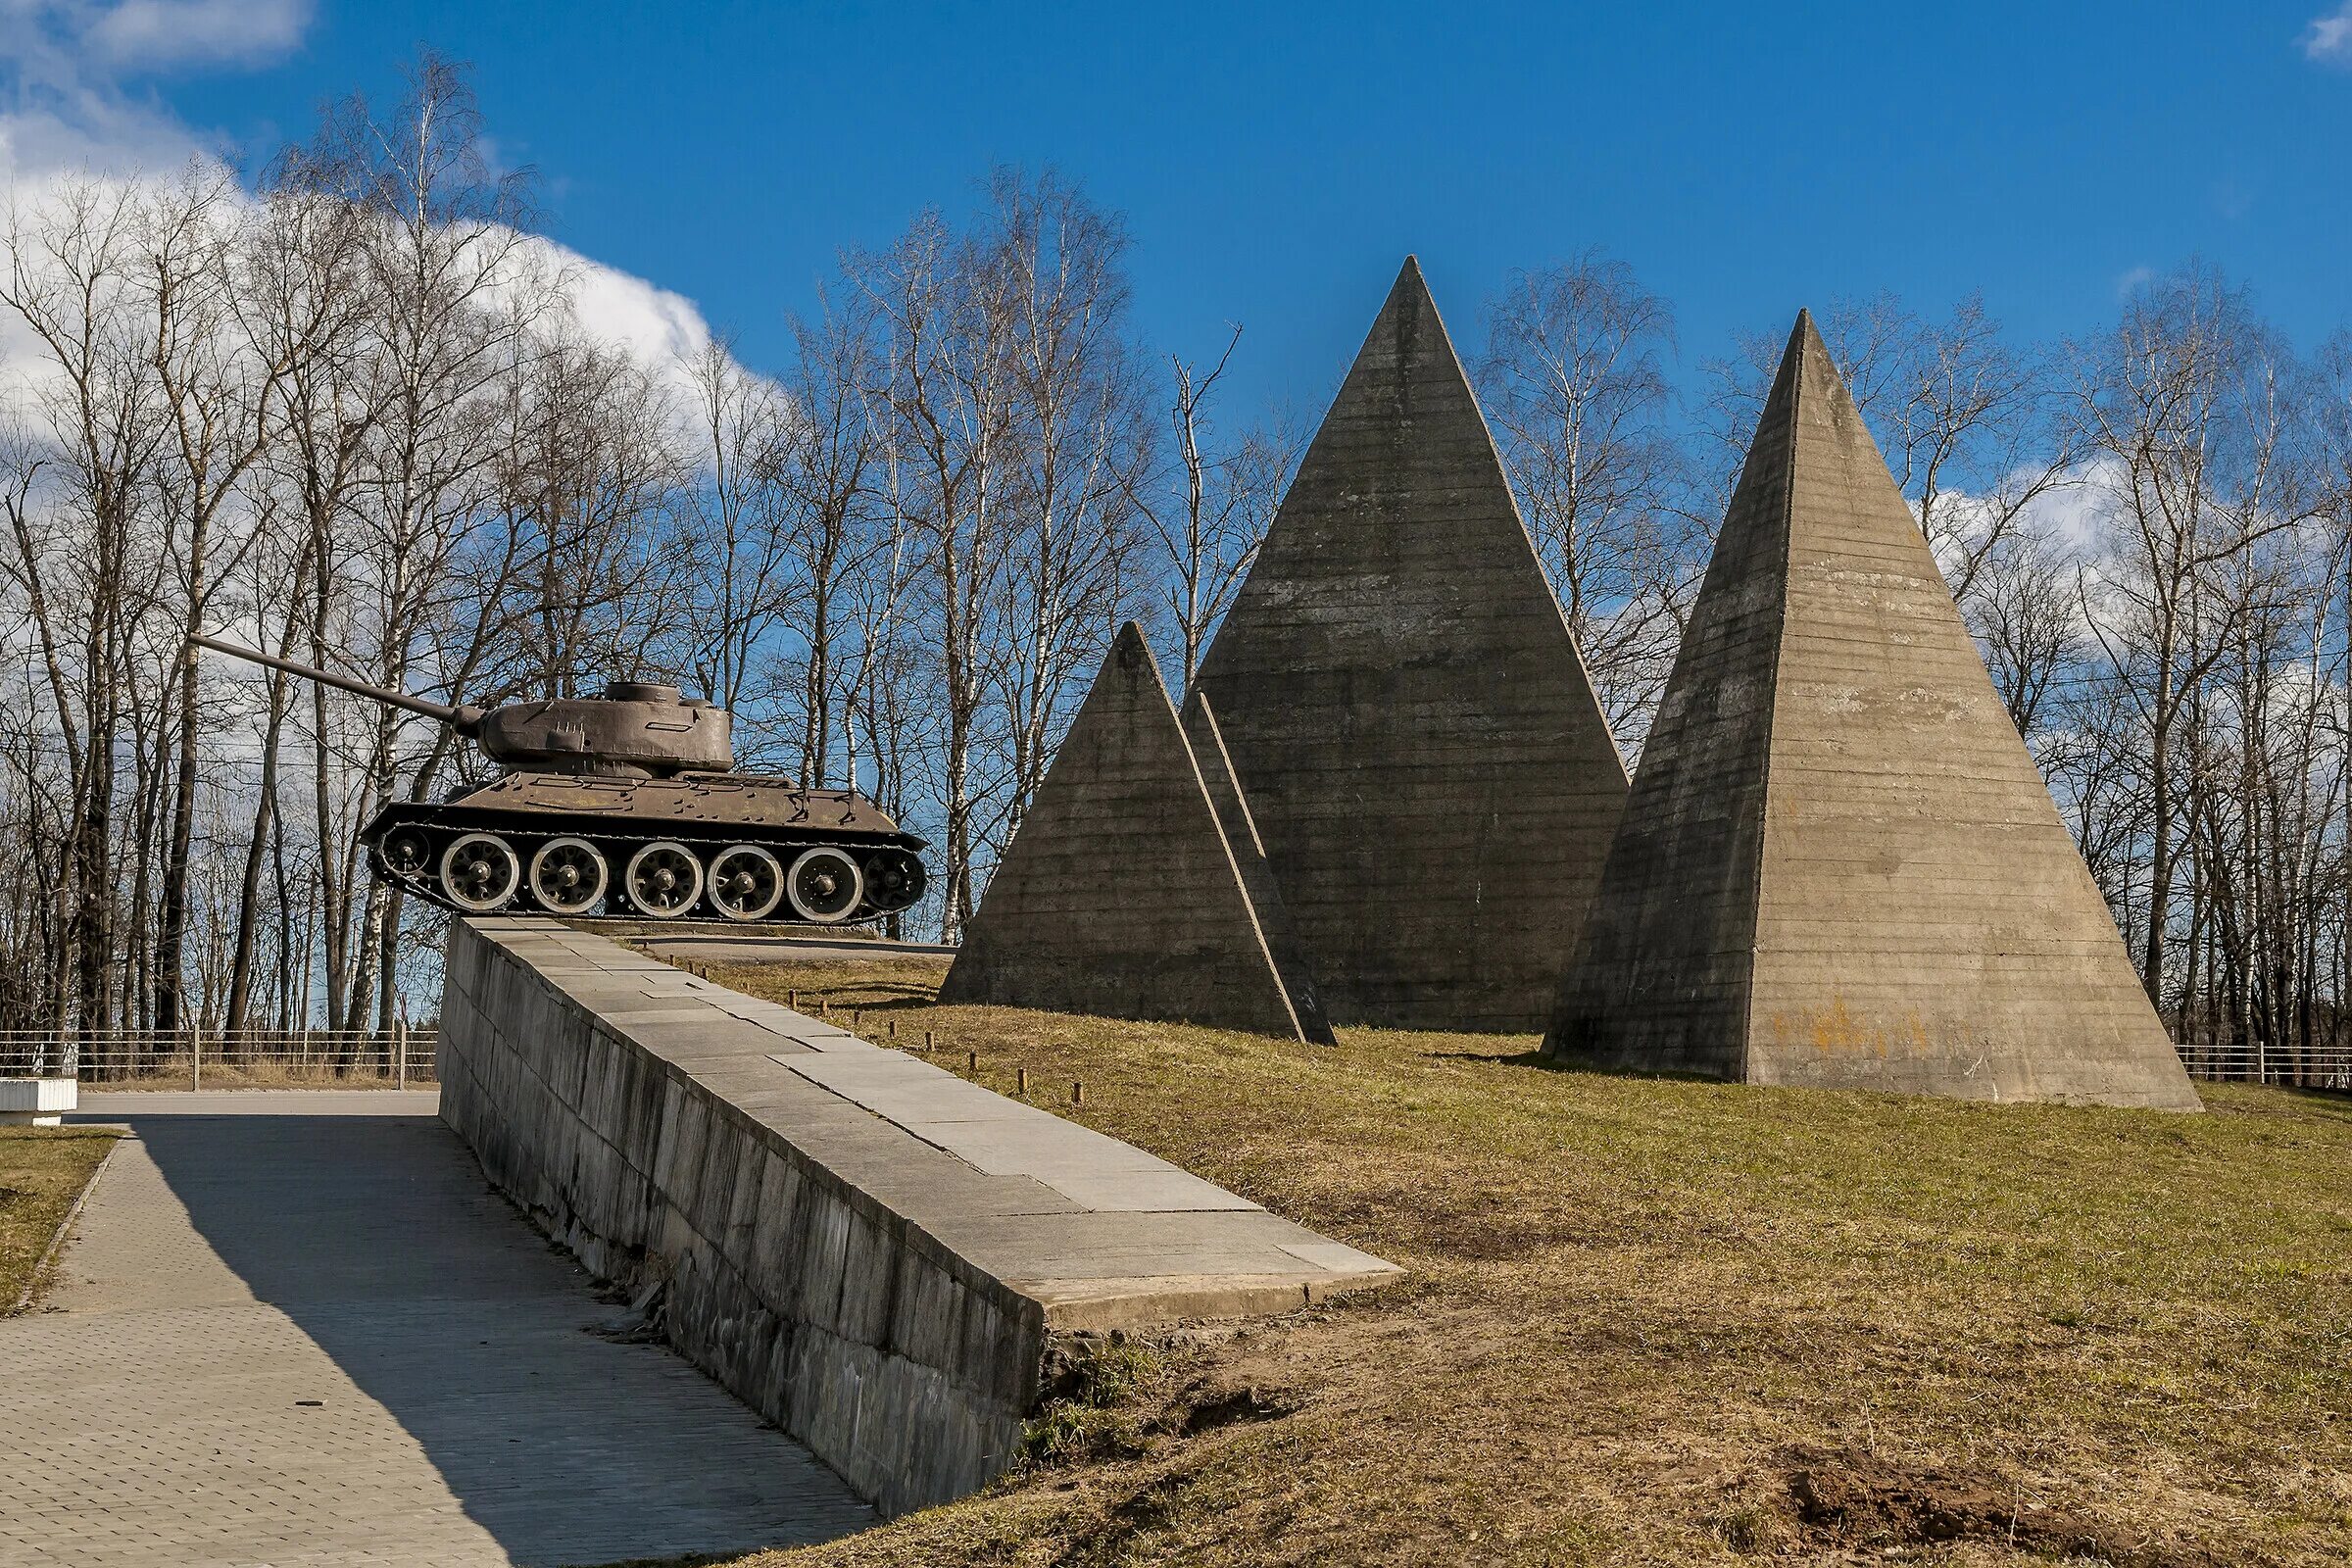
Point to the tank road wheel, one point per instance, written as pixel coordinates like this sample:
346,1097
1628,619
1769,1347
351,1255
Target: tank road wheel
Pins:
406,851
894,879
664,880
568,876
826,886
746,883
480,872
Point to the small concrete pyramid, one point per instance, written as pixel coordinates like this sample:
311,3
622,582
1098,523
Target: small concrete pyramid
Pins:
1120,895
1840,866
1431,774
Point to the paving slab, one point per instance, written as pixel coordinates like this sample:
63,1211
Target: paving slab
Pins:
298,1328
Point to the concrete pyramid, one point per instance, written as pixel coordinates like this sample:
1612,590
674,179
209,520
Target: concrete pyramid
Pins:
1432,777
1840,865
1120,895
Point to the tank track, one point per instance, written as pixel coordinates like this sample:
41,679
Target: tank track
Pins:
890,875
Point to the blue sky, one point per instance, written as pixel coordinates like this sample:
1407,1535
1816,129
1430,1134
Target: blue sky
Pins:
1277,161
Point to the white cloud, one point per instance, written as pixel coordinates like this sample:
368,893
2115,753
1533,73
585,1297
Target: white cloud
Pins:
2329,38
656,326
63,106
147,34
65,114
2130,282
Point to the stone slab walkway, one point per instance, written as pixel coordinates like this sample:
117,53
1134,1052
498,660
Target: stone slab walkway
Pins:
297,1327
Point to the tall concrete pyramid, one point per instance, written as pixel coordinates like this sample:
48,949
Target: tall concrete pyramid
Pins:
1432,777
1840,865
1120,895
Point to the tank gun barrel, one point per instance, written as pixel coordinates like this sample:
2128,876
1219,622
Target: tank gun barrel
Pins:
464,718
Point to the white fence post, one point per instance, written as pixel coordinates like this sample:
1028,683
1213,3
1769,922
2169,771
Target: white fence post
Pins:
195,1055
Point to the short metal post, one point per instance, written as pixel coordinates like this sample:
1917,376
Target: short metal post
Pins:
1020,1082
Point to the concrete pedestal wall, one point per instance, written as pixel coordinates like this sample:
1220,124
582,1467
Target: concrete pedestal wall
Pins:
810,1302
827,1252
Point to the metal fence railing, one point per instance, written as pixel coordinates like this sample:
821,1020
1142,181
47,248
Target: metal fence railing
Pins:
2319,1068
252,1059
360,1057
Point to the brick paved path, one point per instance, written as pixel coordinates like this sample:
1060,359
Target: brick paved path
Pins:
250,1253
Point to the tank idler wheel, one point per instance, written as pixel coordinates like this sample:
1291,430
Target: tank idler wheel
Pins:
826,886
664,880
746,883
406,851
568,876
480,872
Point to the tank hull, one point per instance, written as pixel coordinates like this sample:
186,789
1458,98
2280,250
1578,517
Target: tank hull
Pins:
703,838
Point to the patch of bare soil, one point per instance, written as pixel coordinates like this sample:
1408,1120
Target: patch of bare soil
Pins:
1862,1502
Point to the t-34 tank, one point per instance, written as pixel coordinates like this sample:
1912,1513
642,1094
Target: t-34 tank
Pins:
628,803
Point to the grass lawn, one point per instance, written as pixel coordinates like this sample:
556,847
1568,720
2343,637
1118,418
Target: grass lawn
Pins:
1672,1322
42,1170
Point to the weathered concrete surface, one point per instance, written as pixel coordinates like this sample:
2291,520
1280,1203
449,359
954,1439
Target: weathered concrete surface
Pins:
296,1327
1123,894
1274,924
867,1250
1432,777
1840,865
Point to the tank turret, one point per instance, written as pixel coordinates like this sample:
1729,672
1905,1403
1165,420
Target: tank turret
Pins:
628,803
636,729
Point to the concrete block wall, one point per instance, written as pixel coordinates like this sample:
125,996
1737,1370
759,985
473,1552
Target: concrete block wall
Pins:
870,1252
908,1372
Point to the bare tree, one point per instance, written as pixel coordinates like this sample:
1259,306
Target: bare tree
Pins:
946,383
1081,442
1212,504
828,475
737,538
1574,383
74,279
2177,412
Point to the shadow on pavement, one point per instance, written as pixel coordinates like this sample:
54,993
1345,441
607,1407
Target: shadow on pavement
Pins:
378,1236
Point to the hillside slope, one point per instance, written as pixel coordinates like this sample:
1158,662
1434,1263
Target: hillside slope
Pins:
1672,1322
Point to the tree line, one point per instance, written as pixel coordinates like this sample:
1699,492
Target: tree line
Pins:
351,412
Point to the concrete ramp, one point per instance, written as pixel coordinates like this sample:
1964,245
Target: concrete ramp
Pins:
870,1250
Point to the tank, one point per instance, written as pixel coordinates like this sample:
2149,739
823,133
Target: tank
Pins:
628,804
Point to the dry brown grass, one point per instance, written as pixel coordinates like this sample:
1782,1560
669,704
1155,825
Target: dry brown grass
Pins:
42,1170
1672,1322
